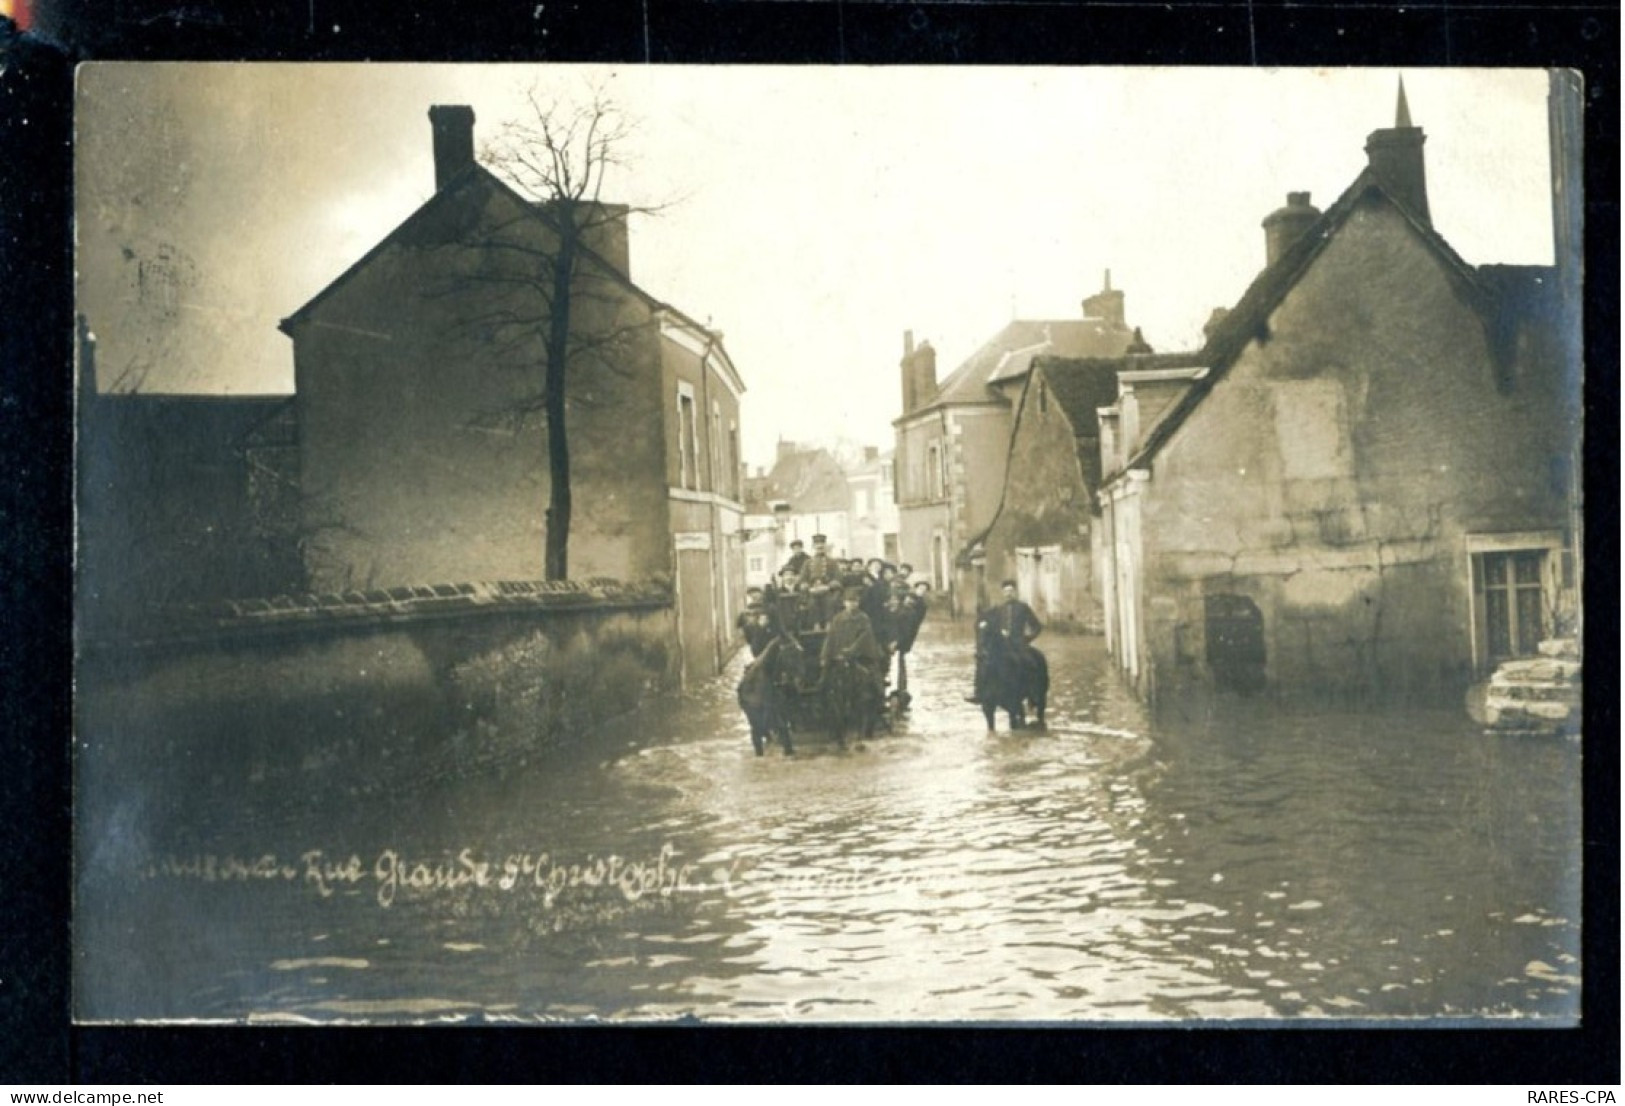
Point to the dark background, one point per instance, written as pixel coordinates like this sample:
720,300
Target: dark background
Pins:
39,1044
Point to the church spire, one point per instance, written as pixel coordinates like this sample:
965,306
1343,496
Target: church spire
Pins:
1402,113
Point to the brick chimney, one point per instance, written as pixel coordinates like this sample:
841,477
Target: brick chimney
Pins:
453,126
1286,225
907,365
919,367
1394,155
1106,304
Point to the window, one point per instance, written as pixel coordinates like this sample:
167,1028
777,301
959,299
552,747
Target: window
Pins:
714,447
1514,620
933,471
757,564
1043,398
688,461
731,483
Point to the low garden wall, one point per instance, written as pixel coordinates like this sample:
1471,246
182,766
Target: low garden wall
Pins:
410,683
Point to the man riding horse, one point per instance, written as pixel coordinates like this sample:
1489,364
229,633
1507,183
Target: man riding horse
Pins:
1010,673
853,659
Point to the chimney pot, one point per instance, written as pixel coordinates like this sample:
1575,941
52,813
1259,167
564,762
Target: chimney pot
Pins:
453,126
1107,305
1286,225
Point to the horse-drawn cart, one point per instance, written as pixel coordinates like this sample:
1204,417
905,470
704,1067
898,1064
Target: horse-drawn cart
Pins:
788,693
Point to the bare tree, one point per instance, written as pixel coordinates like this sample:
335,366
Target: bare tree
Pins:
558,157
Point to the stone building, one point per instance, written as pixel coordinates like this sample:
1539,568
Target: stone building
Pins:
1369,488
1045,532
422,444
953,437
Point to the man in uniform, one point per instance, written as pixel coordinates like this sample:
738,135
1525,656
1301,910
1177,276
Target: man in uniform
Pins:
822,578
1011,625
1016,623
851,637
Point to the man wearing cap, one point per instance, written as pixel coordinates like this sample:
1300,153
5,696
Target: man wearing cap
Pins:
822,578
1013,624
798,559
754,623
876,597
852,637
1016,622
907,619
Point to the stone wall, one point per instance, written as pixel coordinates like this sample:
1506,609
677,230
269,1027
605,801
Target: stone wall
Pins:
413,682
1332,477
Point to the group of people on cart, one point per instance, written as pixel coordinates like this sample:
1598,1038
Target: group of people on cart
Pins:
868,611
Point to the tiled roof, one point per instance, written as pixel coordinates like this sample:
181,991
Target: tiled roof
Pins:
1009,354
477,175
810,480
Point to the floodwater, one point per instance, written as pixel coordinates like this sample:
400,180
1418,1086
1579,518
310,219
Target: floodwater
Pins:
1233,860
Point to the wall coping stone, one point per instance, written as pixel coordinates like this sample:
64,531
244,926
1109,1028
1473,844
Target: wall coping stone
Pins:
236,617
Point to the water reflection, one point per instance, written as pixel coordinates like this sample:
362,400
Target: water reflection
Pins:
1231,860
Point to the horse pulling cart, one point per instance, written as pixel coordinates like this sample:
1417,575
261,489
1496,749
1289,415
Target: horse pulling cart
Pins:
788,693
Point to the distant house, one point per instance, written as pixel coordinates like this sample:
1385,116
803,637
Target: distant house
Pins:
1371,486
872,510
1045,532
952,439
423,452
807,491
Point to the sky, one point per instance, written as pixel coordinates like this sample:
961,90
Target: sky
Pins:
812,214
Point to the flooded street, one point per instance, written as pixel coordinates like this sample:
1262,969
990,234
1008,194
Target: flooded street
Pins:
1236,860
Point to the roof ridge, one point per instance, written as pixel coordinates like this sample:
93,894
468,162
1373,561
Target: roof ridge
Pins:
532,208
1231,336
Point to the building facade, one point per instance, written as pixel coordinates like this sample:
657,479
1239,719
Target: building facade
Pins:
1045,533
423,450
1369,488
872,507
953,437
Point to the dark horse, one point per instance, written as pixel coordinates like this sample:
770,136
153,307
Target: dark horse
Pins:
851,699
769,685
1010,677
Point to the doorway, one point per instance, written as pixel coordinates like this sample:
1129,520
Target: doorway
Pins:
1235,643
